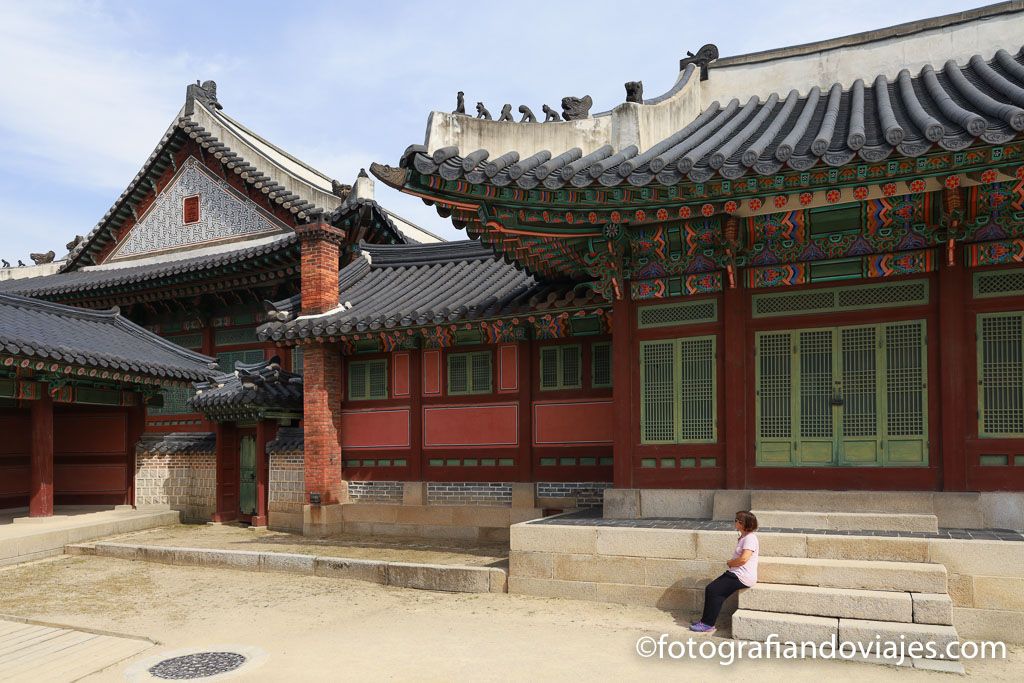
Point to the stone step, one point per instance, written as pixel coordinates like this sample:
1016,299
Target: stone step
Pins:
748,624
876,575
816,601
847,521
888,502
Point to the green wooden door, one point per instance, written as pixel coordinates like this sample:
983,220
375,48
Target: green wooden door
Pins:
247,475
854,396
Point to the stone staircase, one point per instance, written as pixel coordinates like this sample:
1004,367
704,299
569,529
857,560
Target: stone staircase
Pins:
861,601
845,510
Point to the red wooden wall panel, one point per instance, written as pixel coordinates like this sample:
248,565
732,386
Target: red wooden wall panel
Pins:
384,428
465,426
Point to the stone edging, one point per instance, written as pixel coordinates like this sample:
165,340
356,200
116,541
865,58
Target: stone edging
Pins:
436,577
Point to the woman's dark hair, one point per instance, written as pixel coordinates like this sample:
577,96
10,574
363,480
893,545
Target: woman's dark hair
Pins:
748,520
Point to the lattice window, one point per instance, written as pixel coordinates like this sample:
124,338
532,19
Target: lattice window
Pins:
860,381
235,336
175,401
297,360
1001,374
658,392
684,313
367,380
601,365
999,283
837,299
697,389
815,351
226,359
469,373
905,380
678,390
889,294
560,367
797,302
774,385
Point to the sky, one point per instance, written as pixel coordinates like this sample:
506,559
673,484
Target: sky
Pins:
88,88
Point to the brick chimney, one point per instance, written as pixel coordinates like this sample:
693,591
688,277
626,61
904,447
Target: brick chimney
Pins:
320,243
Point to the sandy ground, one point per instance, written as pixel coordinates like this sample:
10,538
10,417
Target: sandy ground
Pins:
227,537
328,629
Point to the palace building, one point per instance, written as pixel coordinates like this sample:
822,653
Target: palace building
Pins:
796,269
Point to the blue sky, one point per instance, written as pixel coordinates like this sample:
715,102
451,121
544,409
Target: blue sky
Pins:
88,88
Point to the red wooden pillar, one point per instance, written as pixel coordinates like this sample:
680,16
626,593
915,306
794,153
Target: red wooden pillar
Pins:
524,382
227,473
41,494
624,372
953,328
416,415
733,424
266,430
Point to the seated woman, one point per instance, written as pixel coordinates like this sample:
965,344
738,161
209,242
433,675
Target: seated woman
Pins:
742,573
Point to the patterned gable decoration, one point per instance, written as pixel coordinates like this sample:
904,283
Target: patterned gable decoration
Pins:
995,253
222,216
903,263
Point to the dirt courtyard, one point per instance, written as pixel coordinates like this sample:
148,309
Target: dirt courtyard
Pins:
323,629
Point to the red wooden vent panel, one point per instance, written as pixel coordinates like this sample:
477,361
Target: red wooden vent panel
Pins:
466,426
573,423
375,428
508,368
400,374
431,373
190,210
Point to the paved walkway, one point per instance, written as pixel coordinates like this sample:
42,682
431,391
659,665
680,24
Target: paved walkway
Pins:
35,652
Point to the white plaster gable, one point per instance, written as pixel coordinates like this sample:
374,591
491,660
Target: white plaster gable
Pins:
225,216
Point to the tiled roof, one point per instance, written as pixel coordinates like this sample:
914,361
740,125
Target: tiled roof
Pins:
289,440
178,443
950,107
49,332
427,284
90,280
251,386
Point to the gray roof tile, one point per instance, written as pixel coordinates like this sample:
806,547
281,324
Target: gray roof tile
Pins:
950,107
46,331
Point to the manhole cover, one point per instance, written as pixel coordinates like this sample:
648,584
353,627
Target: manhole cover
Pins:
198,665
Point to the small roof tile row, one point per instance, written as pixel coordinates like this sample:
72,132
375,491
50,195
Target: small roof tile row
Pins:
178,443
416,285
950,107
250,386
105,340
289,440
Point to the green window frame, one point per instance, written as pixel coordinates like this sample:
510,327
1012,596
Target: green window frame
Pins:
561,367
469,373
601,365
368,380
678,390
297,361
1000,350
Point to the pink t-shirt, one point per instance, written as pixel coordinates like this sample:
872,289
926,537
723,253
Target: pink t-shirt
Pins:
747,574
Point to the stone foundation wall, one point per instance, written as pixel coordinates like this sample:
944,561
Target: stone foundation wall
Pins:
585,494
469,493
376,491
286,491
670,568
186,482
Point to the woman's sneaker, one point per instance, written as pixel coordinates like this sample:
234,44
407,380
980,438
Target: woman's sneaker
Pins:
701,627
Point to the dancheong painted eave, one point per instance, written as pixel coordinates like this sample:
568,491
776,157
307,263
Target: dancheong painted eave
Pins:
48,337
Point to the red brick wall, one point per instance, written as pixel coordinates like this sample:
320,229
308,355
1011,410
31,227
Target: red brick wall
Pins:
322,420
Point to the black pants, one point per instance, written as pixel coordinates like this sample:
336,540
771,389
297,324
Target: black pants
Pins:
716,593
